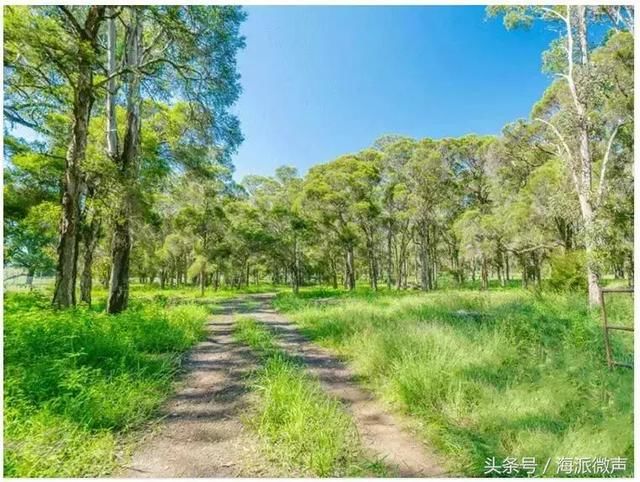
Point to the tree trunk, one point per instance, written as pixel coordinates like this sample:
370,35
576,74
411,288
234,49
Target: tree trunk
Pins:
401,270
485,274
90,241
506,266
582,177
334,273
30,274
502,269
121,245
350,274
423,252
424,268
296,267
405,269
119,280
389,259
64,294
373,266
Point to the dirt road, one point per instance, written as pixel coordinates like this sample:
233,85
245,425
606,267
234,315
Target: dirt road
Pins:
202,433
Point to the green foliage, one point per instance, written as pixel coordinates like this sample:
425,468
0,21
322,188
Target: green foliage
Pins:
77,381
304,428
504,374
568,271
30,243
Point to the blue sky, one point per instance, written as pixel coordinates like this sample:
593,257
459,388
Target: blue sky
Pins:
319,82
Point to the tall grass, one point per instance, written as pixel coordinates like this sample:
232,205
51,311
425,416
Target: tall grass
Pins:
77,381
497,374
304,429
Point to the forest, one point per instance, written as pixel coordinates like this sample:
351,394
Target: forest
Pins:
123,193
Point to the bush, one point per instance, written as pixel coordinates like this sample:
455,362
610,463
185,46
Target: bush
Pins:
568,271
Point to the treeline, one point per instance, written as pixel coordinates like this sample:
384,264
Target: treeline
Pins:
554,192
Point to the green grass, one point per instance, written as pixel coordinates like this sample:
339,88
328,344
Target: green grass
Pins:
192,293
78,382
303,428
497,374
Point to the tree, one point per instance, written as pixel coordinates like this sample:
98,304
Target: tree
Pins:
30,243
64,42
395,198
575,134
192,50
339,196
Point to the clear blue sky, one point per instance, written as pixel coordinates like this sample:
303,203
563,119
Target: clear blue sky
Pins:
319,82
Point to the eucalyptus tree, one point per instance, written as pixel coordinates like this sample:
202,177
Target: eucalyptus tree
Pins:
340,197
186,52
249,239
30,242
51,55
278,198
201,213
32,177
395,197
582,132
429,185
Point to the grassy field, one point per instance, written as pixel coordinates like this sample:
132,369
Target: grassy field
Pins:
505,373
303,428
78,382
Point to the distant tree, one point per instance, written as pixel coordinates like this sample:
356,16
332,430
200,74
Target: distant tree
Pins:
30,243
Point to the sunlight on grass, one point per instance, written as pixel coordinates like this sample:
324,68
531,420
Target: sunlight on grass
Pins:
303,427
490,374
77,381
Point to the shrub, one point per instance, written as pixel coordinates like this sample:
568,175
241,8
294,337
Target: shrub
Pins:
568,271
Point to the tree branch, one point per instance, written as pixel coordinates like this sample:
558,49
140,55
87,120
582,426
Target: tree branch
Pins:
557,133
603,169
74,22
566,148
553,12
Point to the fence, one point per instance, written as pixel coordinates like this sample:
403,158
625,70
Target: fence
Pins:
607,327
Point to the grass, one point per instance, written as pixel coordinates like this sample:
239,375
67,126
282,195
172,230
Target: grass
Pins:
304,429
496,374
78,382
192,293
